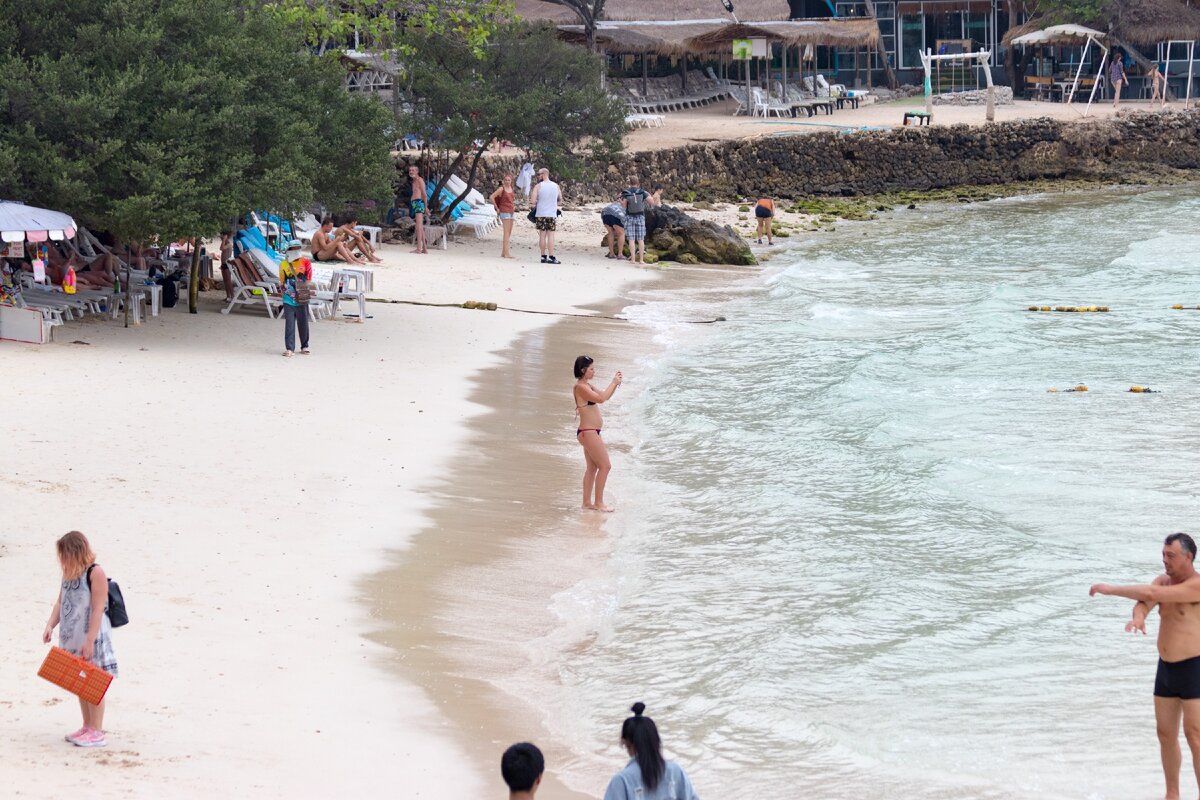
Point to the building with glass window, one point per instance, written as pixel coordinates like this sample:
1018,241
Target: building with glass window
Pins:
910,26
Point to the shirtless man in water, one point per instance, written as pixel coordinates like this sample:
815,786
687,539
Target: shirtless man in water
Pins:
1177,686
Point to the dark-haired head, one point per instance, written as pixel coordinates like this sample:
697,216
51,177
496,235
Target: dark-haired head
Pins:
640,735
581,365
522,766
1186,543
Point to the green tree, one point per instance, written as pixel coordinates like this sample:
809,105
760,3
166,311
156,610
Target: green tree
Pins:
169,118
528,87
382,24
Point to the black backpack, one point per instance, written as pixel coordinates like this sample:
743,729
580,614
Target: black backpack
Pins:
116,602
170,292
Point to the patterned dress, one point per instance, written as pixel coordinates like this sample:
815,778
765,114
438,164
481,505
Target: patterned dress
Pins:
75,611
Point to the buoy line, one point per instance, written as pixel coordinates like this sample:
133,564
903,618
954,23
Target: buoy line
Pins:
484,306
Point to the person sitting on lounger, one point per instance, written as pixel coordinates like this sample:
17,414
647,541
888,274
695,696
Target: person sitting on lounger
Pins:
100,273
356,238
329,246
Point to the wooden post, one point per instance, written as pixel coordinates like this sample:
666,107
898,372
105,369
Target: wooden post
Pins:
785,91
194,280
645,73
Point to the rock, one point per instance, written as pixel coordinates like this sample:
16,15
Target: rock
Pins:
674,234
687,258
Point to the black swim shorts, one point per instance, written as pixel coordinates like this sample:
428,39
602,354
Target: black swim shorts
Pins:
762,212
612,220
1178,679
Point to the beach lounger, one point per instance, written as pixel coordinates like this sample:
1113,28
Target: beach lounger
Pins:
249,288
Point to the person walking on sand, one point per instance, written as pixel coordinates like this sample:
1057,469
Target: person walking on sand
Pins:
764,212
545,200
83,627
635,200
505,200
522,766
1176,592
647,776
1116,76
418,206
295,278
613,218
595,454
1157,81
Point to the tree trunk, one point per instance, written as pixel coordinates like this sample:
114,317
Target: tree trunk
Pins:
1010,61
194,280
437,190
470,178
888,73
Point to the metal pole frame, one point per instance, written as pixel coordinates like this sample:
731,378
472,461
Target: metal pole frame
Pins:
1079,72
1099,76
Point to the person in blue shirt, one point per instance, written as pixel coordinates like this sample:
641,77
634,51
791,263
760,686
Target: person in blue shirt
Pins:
647,776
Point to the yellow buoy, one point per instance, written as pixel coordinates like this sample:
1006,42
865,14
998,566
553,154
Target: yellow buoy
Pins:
1045,308
1081,388
1033,308
491,306
1051,390
1178,306
1139,389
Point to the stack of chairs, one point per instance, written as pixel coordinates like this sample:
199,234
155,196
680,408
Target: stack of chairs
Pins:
665,94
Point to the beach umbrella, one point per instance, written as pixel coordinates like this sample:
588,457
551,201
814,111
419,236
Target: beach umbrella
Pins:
19,223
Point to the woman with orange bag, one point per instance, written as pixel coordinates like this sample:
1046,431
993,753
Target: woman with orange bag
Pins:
85,630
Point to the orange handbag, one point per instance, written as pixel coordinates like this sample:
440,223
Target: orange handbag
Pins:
77,676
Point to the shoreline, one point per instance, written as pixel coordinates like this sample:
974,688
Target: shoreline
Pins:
511,510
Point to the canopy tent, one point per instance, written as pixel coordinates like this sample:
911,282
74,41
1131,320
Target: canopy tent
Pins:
1068,35
19,223
1136,22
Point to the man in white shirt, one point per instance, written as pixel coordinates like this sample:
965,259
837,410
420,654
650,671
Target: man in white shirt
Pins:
545,201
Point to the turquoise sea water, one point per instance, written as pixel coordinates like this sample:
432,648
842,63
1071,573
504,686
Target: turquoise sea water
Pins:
856,533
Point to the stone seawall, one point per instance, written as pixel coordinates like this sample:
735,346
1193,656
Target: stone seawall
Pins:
870,162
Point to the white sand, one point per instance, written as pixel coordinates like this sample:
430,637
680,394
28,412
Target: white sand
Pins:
240,498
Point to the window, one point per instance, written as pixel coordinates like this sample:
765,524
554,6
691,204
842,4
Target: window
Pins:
912,40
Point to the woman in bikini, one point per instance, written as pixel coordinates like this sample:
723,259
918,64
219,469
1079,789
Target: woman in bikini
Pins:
595,454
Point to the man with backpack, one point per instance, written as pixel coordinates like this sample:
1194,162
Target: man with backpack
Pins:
635,199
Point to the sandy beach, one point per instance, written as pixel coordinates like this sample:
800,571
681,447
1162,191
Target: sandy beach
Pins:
250,506
715,123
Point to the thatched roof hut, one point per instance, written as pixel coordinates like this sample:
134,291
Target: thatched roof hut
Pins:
705,37
643,38
656,10
1153,21
824,32
1141,22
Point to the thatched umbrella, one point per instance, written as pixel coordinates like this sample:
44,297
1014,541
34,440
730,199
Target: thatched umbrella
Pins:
1147,22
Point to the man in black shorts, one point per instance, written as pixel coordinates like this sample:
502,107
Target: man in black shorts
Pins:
1177,685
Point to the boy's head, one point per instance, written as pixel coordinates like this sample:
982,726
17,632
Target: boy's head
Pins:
522,766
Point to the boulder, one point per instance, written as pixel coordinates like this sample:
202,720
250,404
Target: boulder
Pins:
673,233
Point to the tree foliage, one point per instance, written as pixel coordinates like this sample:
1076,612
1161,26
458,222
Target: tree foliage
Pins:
528,87
382,24
170,117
